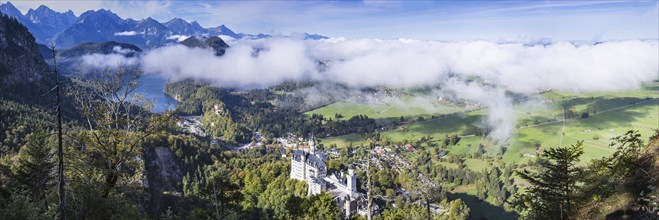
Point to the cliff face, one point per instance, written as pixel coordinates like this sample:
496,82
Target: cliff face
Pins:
163,178
20,60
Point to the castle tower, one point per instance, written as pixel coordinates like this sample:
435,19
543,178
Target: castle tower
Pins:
312,145
352,180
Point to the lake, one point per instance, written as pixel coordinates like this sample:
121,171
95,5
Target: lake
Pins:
152,88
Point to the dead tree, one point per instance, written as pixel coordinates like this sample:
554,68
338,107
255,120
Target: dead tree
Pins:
60,151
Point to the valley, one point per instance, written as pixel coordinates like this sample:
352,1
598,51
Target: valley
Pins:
537,126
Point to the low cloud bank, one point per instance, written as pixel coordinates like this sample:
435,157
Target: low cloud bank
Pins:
516,67
241,66
125,33
109,60
178,38
406,63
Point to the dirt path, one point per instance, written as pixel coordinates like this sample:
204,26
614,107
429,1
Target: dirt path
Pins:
380,112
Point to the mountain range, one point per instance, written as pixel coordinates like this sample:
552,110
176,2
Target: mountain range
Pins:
65,30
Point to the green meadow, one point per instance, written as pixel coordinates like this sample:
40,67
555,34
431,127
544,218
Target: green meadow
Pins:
609,114
407,106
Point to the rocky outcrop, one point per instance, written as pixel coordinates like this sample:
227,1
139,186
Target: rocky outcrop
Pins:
163,175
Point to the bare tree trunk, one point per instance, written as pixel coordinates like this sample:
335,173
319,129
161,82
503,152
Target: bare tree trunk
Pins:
110,180
60,150
427,206
217,212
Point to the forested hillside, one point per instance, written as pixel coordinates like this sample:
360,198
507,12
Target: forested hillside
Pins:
23,72
24,80
237,114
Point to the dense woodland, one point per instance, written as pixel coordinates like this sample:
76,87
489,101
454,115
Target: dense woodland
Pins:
237,114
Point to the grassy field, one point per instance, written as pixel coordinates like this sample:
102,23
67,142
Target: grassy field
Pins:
388,110
596,131
437,128
476,164
610,114
344,140
601,101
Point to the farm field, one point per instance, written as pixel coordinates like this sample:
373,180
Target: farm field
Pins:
461,124
476,164
539,126
388,110
344,140
596,131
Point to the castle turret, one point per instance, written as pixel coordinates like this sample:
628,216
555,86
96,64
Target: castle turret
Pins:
312,145
352,180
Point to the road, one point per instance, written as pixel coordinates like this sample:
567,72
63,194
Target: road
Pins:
257,137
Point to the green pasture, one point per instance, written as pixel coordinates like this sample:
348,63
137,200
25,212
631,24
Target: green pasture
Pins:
388,109
611,114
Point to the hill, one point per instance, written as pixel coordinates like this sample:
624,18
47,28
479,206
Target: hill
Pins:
108,47
23,82
215,43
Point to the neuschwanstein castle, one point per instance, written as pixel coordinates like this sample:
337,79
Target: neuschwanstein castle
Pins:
308,164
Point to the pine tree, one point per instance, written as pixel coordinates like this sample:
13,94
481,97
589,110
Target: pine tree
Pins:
458,210
553,188
35,165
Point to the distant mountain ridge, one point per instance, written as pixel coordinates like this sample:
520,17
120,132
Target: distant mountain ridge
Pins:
183,27
49,22
66,30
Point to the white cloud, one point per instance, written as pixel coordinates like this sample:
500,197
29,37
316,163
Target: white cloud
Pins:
226,38
120,50
284,59
125,33
500,117
357,63
177,37
107,60
405,63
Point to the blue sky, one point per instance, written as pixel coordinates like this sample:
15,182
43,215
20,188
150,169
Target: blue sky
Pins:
431,20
